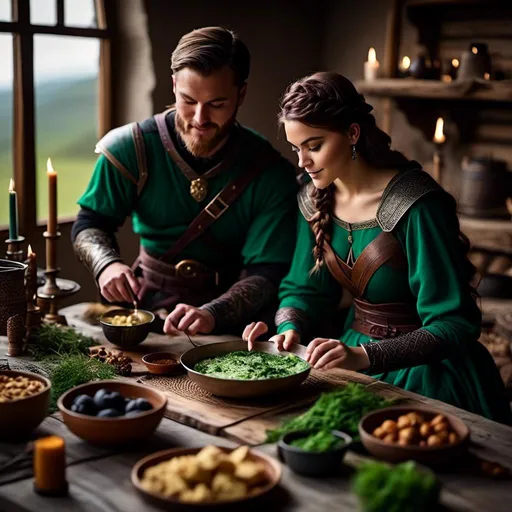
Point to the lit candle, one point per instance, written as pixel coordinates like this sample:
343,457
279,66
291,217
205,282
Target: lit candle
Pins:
52,198
50,466
371,66
439,139
405,64
13,212
31,274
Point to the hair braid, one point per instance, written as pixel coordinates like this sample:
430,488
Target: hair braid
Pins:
321,223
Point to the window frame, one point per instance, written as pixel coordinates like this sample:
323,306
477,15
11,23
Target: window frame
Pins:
24,143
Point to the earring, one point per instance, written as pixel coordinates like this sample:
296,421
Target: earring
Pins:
354,154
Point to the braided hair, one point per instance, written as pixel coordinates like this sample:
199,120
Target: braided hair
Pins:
330,101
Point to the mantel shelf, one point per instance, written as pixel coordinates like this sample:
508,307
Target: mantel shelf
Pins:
497,225
473,90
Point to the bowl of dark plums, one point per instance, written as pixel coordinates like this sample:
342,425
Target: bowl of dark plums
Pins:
112,412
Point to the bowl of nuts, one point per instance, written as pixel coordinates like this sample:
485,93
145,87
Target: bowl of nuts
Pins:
422,434
126,328
24,401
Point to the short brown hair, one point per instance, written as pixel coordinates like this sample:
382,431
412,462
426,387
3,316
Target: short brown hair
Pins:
209,49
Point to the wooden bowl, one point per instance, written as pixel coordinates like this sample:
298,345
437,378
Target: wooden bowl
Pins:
272,469
237,388
113,431
392,452
126,336
149,361
19,418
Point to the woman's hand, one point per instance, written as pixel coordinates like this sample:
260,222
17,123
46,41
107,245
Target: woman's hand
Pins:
323,353
189,318
283,341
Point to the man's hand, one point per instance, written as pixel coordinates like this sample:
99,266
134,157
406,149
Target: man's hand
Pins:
115,282
190,319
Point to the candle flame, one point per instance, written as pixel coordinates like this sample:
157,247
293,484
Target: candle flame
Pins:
30,252
455,63
372,56
11,186
439,136
49,167
406,62
474,49
487,76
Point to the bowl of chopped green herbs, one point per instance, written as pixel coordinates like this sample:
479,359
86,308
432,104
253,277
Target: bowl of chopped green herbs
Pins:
228,369
317,453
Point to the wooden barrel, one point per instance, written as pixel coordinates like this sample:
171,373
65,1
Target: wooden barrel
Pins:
485,187
12,292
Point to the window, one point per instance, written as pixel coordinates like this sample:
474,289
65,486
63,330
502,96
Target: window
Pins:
54,102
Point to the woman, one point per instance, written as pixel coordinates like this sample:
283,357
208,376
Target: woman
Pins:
375,224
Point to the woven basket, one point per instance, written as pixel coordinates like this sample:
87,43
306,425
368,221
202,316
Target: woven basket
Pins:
12,292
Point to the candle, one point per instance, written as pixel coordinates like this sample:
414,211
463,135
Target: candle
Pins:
13,212
52,198
405,64
50,466
371,66
31,275
439,139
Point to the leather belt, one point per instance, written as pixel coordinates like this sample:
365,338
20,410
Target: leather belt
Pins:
384,320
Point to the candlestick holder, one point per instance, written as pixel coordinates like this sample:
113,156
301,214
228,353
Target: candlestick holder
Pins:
54,289
14,249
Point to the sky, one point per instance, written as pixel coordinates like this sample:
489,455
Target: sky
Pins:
54,56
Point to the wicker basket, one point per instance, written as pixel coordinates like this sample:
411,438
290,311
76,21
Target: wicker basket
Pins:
12,292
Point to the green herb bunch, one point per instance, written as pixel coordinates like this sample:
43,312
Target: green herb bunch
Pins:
54,341
75,370
335,410
321,441
402,488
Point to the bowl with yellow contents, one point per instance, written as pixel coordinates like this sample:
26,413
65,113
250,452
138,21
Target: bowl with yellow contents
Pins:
126,328
209,477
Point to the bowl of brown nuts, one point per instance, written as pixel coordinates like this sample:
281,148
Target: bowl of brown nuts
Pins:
126,328
422,434
24,401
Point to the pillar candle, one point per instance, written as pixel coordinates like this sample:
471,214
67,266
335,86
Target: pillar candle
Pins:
52,198
371,66
13,212
50,466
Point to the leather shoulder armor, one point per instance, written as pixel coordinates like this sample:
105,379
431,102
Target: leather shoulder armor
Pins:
401,193
306,206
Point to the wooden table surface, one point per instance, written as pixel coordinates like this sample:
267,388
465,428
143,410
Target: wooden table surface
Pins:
100,479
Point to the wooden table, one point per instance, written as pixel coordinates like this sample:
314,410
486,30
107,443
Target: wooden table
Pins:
100,478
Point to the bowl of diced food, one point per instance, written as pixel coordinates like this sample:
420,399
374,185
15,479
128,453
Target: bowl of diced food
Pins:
126,328
211,477
112,412
314,453
423,434
24,402
228,369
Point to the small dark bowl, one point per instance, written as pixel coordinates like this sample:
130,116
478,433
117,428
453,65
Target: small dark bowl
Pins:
162,369
126,336
312,463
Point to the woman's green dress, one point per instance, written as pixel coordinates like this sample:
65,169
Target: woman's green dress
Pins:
435,279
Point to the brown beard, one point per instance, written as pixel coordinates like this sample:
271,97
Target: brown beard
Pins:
196,145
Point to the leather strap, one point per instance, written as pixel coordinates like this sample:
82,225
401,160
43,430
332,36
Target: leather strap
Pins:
220,203
140,151
171,150
382,249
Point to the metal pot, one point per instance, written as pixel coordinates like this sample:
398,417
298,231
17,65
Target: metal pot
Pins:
13,300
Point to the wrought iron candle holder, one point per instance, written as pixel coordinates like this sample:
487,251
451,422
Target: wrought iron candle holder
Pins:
14,249
54,288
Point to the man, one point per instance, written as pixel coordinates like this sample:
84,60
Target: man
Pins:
213,202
